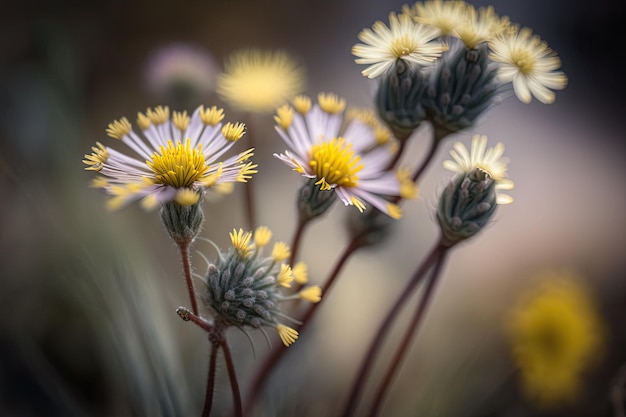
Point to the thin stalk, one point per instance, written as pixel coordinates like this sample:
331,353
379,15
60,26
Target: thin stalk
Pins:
249,187
417,319
184,254
297,237
432,149
210,386
277,353
234,384
365,369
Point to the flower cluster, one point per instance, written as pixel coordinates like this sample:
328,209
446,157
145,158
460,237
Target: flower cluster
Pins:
177,159
351,162
420,34
243,288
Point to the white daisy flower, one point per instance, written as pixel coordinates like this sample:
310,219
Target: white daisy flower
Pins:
527,62
352,163
487,159
444,15
403,39
177,159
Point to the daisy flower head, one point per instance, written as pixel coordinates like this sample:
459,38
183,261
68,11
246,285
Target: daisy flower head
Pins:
349,162
404,39
258,81
528,63
244,288
480,26
175,159
486,159
443,15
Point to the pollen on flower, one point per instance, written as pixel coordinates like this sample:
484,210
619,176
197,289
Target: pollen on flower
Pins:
187,197
246,171
181,120
119,128
159,115
284,116
233,131
334,162
357,203
403,46
241,241
312,294
394,210
331,103
280,251
143,121
211,116
262,236
285,276
178,165
99,182
302,104
96,160
287,334
300,273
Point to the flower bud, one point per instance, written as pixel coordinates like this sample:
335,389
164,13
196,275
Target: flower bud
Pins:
399,98
312,201
466,205
461,88
183,223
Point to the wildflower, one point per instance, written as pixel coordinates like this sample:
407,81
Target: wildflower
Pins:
180,68
556,333
443,15
259,81
177,159
349,163
480,26
486,159
243,288
404,39
528,63
470,199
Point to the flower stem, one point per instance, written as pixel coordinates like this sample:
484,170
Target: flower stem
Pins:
297,237
385,384
249,187
210,386
432,149
234,384
277,353
366,367
184,253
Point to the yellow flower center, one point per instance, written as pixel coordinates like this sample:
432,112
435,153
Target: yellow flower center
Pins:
523,60
403,46
178,165
334,162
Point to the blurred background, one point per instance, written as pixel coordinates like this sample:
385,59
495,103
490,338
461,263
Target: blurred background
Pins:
89,296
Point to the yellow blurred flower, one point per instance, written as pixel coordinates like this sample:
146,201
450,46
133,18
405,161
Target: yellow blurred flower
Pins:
259,81
556,334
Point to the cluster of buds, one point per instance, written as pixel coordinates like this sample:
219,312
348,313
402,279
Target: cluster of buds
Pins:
245,289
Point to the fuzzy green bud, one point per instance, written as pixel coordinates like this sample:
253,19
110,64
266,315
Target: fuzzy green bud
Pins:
462,87
183,223
399,98
466,205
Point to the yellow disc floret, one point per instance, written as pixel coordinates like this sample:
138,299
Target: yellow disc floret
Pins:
284,116
241,241
211,116
331,103
119,128
233,131
178,165
287,334
334,162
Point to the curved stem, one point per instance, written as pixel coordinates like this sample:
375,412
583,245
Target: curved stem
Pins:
434,144
210,386
297,237
385,384
184,254
278,352
234,385
366,367
397,156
